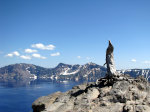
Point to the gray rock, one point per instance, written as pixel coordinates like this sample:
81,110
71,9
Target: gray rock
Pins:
103,96
81,87
92,93
43,102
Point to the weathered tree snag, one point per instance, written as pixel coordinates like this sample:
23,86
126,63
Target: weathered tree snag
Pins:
111,70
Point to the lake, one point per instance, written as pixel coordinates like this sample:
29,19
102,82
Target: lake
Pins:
18,97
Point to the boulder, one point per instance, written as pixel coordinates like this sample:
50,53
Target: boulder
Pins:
43,102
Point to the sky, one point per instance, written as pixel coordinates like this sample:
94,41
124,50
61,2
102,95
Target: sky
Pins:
47,32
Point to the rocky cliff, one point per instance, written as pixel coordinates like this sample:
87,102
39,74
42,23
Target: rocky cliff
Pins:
115,94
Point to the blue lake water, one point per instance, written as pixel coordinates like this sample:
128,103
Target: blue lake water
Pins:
19,98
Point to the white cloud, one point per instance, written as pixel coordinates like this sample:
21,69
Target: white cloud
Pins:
9,55
30,50
79,57
55,54
25,57
133,60
43,47
38,56
15,53
146,62
43,57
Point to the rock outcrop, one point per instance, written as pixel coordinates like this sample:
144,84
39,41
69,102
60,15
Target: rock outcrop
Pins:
113,93
123,94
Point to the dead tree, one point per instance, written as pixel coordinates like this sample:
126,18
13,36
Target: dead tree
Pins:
111,70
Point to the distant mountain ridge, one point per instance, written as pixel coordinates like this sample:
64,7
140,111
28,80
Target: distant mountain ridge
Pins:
137,72
62,72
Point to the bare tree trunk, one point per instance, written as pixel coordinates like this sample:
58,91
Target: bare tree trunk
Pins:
111,70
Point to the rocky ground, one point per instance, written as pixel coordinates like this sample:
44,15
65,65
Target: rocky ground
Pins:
109,94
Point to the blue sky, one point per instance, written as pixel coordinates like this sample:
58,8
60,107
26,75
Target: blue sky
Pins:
47,32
